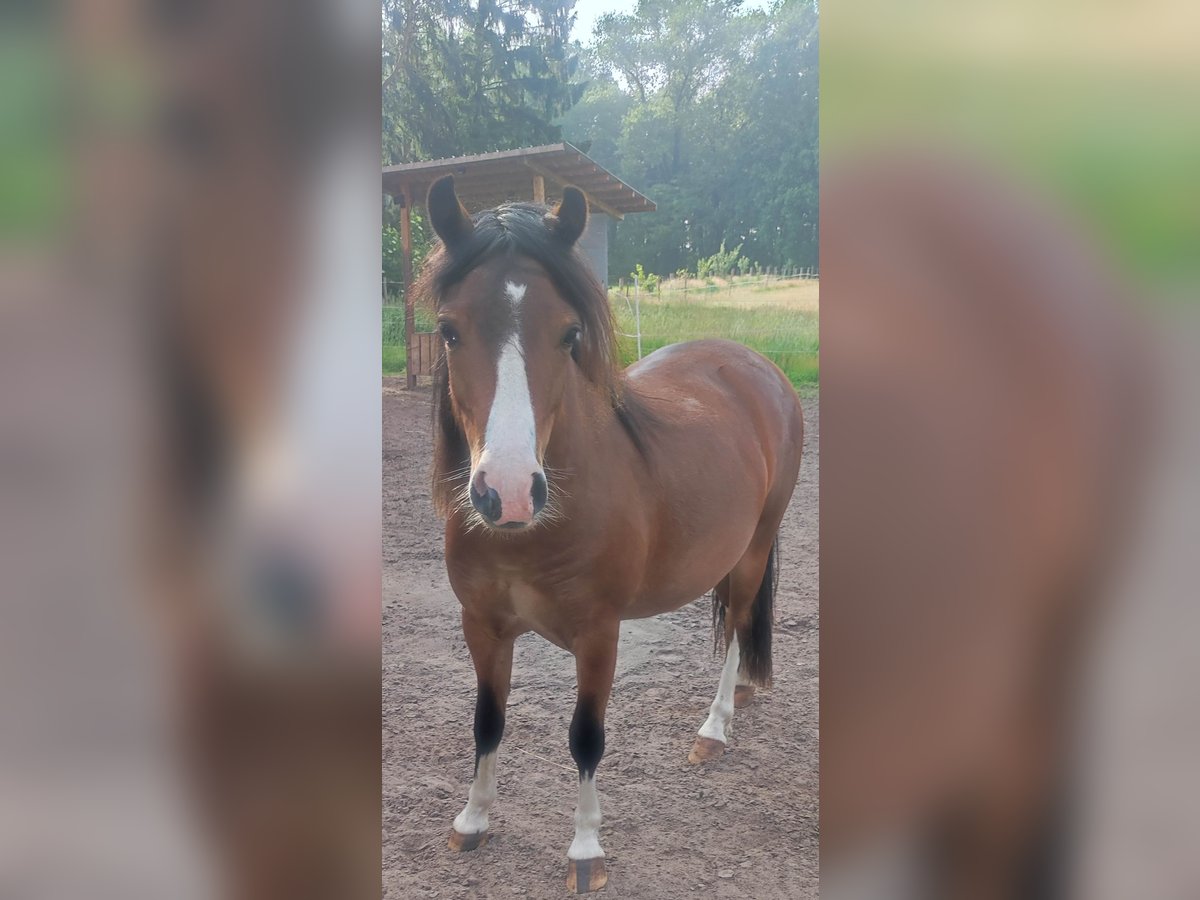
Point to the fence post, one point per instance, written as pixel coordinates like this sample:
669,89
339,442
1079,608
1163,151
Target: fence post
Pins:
637,314
409,310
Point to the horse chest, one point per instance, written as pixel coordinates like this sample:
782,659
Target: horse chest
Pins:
517,603
527,602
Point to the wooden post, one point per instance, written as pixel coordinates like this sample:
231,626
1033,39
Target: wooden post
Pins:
409,313
539,189
637,313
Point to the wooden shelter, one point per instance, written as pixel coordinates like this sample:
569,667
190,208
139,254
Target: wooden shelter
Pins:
489,179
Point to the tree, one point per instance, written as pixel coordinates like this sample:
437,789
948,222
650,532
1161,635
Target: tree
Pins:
469,76
711,111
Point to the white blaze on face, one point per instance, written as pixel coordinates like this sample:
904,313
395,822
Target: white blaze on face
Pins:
474,817
587,822
720,714
509,456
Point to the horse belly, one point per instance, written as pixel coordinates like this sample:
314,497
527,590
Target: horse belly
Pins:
690,569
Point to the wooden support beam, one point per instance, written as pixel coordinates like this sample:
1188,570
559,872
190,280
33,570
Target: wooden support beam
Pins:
605,208
558,180
409,309
539,189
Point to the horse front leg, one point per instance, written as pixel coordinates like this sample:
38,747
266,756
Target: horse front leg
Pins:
595,662
492,655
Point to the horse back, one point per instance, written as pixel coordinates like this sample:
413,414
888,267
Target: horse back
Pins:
714,401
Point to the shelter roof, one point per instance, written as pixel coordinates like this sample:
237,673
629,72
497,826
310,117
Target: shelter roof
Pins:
488,179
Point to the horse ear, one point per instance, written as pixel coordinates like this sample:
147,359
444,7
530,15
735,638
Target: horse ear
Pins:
569,218
446,213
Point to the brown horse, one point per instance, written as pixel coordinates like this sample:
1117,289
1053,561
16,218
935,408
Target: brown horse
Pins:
576,495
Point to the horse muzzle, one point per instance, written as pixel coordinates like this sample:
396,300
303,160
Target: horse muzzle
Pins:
508,502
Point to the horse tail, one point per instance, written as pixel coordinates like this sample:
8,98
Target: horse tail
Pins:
718,602
754,638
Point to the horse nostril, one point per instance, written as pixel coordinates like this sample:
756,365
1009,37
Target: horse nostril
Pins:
538,492
487,502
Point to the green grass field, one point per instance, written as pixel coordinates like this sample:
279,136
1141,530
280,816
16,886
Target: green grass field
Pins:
781,322
787,336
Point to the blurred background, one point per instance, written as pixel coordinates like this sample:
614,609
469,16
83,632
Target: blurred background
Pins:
189,455
1009,385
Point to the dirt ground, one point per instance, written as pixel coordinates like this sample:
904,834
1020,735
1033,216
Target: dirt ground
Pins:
742,826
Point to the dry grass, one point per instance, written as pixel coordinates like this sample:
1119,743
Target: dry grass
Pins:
801,294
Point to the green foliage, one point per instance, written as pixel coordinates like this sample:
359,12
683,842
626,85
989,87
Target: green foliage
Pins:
35,158
648,283
469,76
393,264
723,262
711,111
708,108
393,257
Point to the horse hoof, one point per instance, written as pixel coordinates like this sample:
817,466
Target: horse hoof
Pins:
465,842
705,749
586,875
743,695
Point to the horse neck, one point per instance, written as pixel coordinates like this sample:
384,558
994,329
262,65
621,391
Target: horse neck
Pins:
587,438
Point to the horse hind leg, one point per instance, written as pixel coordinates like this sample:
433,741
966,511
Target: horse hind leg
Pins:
742,612
744,686
754,622
743,690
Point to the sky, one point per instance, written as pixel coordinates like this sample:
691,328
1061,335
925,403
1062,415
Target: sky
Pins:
588,11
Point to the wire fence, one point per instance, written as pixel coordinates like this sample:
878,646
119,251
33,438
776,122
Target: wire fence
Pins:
757,310
716,289
674,287
753,320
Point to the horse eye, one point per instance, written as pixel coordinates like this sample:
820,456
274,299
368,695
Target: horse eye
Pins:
571,338
449,335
